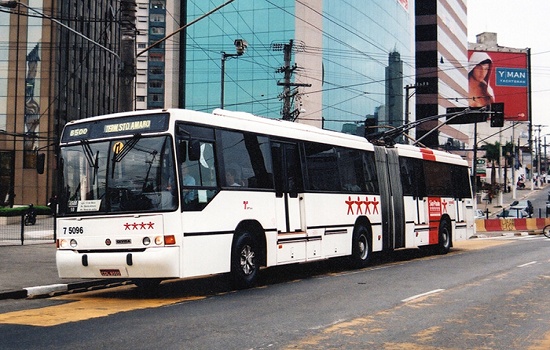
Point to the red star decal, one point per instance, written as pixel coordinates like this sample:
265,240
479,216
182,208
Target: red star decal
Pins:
367,203
358,202
126,226
444,204
375,203
350,203
150,225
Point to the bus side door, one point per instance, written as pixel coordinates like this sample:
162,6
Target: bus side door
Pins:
288,186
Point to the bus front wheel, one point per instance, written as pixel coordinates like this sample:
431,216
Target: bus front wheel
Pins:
244,261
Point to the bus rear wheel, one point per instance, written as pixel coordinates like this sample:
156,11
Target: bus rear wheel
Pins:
444,244
244,261
361,249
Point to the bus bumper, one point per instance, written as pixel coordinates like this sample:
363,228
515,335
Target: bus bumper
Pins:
151,263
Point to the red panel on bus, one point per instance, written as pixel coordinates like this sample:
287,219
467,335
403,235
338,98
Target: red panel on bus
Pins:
427,154
434,212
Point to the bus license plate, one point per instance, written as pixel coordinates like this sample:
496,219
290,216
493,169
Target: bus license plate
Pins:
110,272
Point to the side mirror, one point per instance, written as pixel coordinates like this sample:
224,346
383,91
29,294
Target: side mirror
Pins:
40,162
194,150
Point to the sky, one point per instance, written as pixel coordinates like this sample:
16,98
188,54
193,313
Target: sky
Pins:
520,24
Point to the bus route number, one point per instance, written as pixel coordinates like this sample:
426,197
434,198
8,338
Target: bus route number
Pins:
73,230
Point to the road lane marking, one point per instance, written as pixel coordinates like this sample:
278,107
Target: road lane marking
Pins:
85,306
422,295
527,264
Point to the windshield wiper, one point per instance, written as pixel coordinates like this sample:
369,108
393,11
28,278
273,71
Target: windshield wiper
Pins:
128,146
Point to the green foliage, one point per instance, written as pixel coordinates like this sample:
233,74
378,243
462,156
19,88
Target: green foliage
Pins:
20,211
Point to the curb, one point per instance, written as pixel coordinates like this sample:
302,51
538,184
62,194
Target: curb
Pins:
46,291
493,234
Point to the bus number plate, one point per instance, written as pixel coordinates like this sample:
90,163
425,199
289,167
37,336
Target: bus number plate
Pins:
110,272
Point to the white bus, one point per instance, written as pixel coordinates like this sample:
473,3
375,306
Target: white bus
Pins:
152,195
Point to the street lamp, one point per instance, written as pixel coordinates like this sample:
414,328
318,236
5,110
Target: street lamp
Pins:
240,46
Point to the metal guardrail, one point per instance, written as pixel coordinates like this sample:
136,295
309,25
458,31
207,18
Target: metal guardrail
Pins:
13,230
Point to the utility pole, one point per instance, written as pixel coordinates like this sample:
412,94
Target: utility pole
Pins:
127,55
287,94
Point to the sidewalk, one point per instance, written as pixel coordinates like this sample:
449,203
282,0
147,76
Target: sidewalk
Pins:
495,208
30,270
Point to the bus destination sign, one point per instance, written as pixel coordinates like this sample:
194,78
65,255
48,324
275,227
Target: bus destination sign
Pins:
116,126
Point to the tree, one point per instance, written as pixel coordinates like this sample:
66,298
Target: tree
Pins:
492,154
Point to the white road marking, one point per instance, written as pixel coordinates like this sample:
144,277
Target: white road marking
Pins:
422,295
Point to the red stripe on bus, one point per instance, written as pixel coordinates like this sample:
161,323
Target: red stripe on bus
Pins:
427,154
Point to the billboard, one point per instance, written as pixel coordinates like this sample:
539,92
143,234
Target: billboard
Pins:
503,77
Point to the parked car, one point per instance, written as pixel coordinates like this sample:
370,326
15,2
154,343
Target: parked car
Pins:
513,214
525,205
479,214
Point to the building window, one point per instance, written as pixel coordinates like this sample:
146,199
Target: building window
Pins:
156,17
158,4
157,30
156,84
156,57
157,97
156,70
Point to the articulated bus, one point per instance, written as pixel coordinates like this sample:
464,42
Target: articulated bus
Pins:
153,195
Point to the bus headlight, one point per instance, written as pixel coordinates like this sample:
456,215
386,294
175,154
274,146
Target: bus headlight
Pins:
73,243
63,243
146,241
159,240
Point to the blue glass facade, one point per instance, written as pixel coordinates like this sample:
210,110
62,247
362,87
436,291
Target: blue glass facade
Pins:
342,50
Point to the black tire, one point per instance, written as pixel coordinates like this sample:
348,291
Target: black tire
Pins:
244,261
444,244
361,249
546,231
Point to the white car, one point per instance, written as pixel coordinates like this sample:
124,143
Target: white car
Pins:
513,214
479,214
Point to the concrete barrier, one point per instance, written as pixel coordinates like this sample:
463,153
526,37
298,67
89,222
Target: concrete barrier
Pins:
530,224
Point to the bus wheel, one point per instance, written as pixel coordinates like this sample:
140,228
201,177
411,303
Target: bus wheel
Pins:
244,261
444,244
361,249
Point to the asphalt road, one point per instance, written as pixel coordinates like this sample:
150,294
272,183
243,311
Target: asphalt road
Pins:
490,298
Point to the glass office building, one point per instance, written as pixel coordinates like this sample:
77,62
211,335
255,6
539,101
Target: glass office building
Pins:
326,63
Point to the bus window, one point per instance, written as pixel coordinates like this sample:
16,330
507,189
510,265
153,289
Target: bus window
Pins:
246,160
369,170
351,170
322,167
197,166
198,178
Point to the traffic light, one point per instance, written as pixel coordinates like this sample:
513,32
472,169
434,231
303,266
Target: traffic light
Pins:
497,115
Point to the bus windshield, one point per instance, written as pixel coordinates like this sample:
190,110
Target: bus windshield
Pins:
136,174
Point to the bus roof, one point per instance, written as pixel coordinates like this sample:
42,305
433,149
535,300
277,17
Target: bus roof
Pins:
282,128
